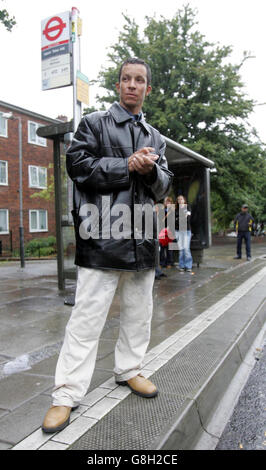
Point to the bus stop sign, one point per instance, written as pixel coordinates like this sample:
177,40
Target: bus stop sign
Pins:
53,32
55,50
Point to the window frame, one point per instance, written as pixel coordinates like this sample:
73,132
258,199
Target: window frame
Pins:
41,141
38,186
7,221
6,183
38,221
6,126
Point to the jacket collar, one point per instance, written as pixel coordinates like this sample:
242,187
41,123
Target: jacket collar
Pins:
120,115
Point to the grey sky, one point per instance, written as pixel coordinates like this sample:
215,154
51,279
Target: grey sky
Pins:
239,23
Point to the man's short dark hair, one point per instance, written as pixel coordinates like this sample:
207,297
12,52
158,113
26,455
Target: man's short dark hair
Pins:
135,60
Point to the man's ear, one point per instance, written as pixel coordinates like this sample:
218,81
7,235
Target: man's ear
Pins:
117,85
149,88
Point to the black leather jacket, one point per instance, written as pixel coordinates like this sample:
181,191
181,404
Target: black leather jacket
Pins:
97,162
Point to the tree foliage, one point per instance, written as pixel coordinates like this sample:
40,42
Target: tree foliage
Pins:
198,100
7,20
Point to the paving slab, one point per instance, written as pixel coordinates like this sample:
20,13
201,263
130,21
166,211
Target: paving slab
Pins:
24,419
19,388
45,331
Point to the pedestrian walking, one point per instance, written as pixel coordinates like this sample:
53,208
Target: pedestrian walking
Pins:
116,161
183,233
243,226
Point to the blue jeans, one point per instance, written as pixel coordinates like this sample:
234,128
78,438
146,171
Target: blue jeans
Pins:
247,238
185,258
166,257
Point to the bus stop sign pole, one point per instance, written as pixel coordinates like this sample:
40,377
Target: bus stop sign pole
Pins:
75,65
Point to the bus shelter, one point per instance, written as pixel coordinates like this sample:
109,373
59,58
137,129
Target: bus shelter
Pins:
191,179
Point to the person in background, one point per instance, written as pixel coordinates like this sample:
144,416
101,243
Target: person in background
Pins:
243,225
259,229
166,255
183,233
158,271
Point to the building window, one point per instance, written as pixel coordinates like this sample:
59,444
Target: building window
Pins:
3,126
33,138
4,223
37,177
38,221
3,172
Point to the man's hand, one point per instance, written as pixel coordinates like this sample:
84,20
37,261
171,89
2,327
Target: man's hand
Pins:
142,161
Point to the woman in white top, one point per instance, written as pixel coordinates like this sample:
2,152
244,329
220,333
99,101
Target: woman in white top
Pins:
183,233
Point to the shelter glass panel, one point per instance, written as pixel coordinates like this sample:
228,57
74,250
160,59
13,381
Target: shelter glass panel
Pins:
68,233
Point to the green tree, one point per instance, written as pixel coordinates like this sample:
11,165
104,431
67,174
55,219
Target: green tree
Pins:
198,100
7,20
92,109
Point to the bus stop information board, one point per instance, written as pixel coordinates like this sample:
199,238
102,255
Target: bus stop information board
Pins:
55,44
82,88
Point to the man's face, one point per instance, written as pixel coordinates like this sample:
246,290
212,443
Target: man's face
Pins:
133,87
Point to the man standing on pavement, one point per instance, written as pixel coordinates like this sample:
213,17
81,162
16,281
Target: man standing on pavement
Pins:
116,161
243,224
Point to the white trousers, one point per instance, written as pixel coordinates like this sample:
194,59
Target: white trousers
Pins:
94,295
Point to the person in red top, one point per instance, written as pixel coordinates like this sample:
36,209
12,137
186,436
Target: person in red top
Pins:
166,237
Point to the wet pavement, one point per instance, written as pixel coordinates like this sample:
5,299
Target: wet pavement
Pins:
33,317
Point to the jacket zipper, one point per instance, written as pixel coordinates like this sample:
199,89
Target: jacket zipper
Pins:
134,147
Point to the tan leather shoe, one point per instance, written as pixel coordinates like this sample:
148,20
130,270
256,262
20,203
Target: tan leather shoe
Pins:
141,386
56,418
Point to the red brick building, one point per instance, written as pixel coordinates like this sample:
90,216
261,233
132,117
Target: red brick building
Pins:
37,171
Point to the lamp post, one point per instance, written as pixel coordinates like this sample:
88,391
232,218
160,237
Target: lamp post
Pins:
21,228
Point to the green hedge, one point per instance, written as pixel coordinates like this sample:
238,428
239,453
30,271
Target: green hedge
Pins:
41,247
